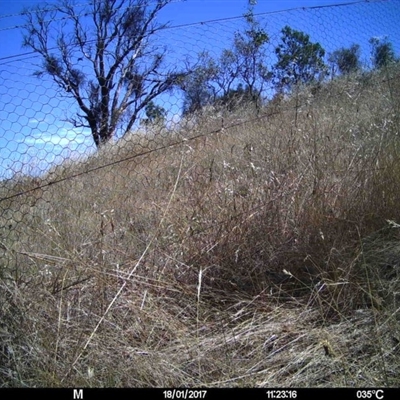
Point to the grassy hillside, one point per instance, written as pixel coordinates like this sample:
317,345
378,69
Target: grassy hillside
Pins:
247,249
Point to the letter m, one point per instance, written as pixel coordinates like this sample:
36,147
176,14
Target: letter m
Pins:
78,394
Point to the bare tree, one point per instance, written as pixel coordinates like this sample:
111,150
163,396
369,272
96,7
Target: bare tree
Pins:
103,57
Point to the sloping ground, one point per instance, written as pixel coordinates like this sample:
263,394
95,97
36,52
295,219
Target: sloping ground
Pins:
260,252
248,343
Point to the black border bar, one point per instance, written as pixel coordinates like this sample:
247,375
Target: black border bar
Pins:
200,393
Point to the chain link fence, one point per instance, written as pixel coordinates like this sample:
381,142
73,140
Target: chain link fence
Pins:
230,199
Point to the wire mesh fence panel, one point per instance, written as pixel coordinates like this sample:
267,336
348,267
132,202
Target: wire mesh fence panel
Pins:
38,115
52,170
230,155
239,100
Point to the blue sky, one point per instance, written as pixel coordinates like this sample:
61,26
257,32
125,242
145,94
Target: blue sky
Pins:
33,130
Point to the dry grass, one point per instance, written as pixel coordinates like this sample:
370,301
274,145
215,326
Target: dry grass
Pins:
256,255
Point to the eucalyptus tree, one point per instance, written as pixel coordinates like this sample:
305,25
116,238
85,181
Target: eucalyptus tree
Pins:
239,74
103,55
299,60
346,59
382,52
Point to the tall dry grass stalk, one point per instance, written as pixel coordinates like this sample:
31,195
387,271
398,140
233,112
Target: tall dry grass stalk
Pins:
249,251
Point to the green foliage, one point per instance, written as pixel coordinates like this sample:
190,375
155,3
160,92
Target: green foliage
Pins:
346,60
299,60
250,52
155,114
382,52
236,98
197,88
223,80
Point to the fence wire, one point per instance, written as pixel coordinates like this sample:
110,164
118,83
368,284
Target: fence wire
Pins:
209,174
242,232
